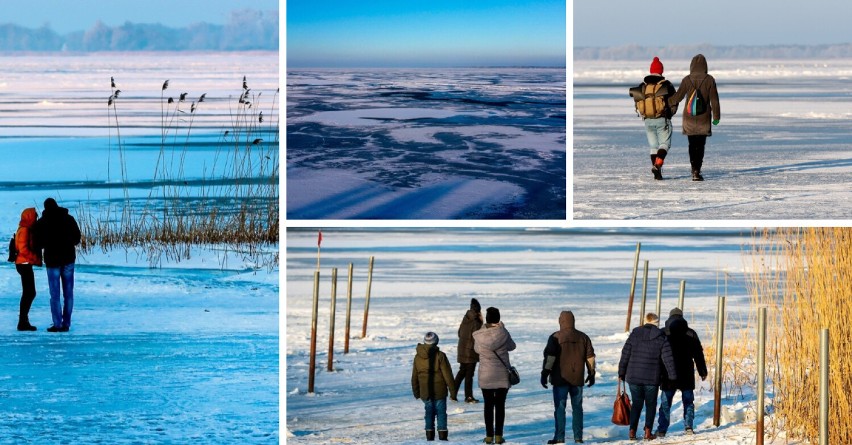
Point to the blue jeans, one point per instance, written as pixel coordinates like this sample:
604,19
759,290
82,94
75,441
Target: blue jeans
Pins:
436,408
61,314
659,132
688,399
560,400
642,395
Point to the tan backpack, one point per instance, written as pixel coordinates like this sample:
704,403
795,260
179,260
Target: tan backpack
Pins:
653,102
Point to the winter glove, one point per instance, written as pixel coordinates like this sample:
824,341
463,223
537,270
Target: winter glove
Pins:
591,379
715,121
544,374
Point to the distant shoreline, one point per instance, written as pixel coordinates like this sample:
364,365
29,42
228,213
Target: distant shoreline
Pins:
640,52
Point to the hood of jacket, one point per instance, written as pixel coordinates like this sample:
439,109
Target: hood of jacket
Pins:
491,336
28,217
423,350
698,65
566,321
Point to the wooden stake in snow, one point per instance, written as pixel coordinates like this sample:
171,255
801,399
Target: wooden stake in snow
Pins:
682,292
367,302
761,372
348,310
633,289
331,319
644,295
313,360
717,386
823,387
659,291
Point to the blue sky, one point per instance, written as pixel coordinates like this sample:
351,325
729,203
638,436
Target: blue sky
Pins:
74,15
344,33
718,22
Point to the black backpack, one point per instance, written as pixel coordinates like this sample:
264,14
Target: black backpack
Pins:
13,250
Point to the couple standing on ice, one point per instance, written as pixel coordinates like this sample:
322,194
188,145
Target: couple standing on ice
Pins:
657,101
56,233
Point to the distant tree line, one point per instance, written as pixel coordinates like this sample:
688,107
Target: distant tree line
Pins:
637,52
245,30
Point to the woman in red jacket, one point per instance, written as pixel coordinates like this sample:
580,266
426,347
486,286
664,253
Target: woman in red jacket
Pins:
28,256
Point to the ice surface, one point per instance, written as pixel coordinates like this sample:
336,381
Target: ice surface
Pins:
780,151
423,281
401,132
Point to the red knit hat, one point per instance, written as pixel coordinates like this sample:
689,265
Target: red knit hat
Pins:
656,66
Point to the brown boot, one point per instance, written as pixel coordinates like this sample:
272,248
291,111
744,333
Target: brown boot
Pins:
632,435
430,435
649,435
442,434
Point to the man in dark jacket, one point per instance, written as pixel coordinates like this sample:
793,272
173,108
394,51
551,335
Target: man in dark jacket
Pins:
640,366
57,233
467,357
568,353
431,382
686,349
658,111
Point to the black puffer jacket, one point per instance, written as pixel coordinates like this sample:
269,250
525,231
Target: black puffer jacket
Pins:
644,355
686,349
57,233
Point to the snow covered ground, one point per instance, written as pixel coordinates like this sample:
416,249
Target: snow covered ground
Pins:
423,281
781,150
185,351
426,144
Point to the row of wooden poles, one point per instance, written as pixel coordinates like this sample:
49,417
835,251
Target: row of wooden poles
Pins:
314,313
761,353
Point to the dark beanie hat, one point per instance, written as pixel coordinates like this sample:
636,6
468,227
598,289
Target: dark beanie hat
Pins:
492,315
50,203
430,338
675,311
656,66
474,305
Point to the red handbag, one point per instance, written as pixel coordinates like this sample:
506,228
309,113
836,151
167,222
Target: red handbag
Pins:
621,408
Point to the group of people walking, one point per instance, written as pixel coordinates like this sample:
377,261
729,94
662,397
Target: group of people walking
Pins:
657,101
651,359
50,241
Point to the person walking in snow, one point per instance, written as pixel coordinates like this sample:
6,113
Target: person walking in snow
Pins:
492,342
644,354
699,108
467,356
431,382
58,234
568,354
28,256
652,99
686,350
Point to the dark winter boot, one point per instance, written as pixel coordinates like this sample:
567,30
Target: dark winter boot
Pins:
430,435
657,159
26,326
632,435
649,435
696,176
443,434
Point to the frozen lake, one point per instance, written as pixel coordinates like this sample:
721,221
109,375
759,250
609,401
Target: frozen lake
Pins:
426,144
424,280
781,150
185,351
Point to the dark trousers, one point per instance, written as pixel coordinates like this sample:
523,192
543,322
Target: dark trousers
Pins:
495,410
696,151
28,292
643,395
465,373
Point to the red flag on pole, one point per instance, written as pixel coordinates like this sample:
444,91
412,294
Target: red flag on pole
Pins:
319,238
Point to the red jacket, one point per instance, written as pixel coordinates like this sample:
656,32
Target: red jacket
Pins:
27,254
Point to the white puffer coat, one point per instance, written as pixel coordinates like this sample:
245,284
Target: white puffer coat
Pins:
491,338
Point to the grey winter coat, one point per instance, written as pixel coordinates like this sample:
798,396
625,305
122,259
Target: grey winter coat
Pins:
470,324
644,354
706,84
487,340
